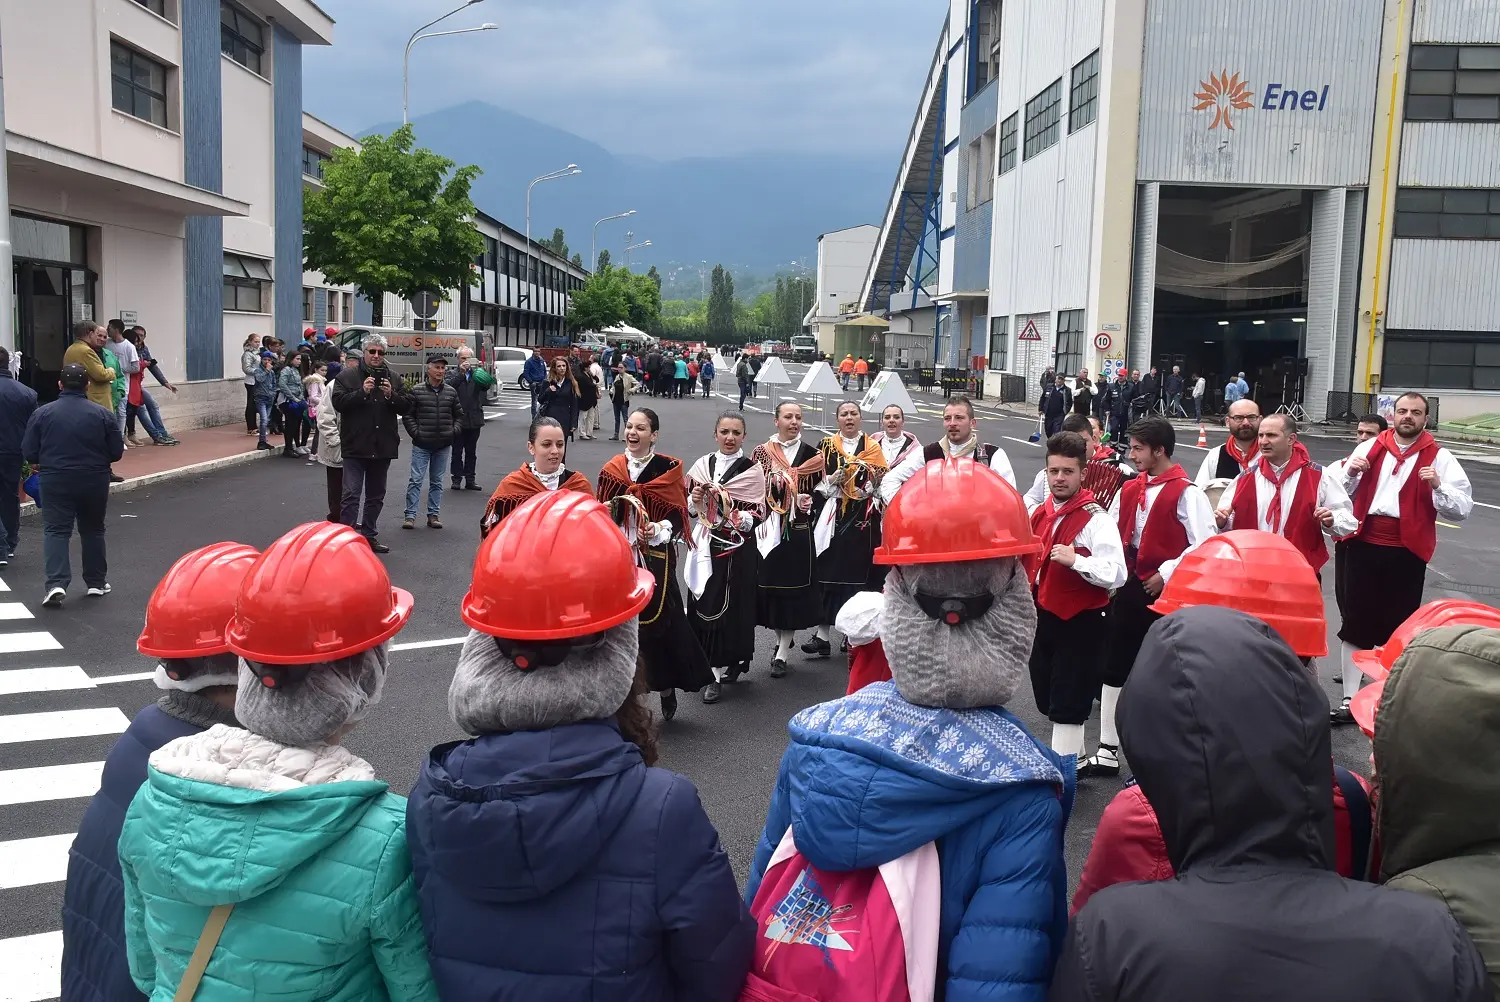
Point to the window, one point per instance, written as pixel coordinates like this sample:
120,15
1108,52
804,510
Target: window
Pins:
491,252
307,305
157,7
1448,213
1069,356
247,284
333,308
1008,142
348,307
985,59
999,342
982,169
1043,117
241,37
1083,99
313,161
1441,360
139,84
1453,83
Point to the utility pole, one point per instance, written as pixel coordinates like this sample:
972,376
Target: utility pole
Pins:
7,268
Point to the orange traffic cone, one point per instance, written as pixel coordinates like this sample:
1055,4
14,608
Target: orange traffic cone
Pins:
1202,436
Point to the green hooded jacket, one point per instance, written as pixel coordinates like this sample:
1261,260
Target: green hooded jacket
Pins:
1437,759
308,847
118,388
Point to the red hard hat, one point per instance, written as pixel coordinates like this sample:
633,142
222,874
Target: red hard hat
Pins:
1259,574
557,567
952,510
1444,612
318,593
193,602
1365,704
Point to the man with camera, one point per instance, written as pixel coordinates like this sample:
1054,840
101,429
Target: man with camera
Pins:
370,400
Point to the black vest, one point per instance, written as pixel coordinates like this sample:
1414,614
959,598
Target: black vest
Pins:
982,454
1228,467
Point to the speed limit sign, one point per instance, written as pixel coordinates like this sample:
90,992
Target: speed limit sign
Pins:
1103,341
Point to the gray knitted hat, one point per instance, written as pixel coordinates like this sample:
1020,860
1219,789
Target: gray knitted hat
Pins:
325,701
490,695
977,663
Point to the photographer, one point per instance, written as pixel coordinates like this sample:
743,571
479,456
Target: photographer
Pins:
369,399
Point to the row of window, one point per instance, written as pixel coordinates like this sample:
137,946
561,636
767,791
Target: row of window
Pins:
1448,213
506,261
518,327
340,308
1067,353
1453,83
1441,360
1044,113
247,284
313,161
138,83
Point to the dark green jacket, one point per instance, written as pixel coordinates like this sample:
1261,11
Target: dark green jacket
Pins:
1437,759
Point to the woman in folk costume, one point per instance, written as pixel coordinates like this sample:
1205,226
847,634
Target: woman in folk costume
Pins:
727,495
647,496
789,598
848,530
547,442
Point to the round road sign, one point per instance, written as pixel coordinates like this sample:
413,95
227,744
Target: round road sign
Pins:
1103,341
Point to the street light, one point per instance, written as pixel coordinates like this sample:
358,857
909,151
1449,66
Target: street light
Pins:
633,247
567,171
594,246
417,36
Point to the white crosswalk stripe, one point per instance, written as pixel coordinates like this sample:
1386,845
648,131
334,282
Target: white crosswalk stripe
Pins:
47,795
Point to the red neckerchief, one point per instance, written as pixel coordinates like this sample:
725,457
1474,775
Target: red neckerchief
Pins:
1103,453
1245,460
1299,459
1053,515
1386,441
1147,481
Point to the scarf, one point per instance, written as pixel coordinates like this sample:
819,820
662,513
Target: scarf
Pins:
1386,442
1147,481
662,498
1299,459
521,484
784,481
1246,460
865,468
1046,520
951,451
905,444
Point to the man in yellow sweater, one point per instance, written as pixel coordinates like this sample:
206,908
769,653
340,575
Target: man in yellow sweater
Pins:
88,338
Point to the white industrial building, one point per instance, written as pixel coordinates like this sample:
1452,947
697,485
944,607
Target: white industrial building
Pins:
1241,185
843,261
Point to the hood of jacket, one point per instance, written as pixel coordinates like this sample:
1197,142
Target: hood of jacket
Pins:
872,777
1436,759
232,813
1227,734
512,817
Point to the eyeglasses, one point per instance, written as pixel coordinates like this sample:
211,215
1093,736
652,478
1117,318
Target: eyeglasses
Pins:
375,351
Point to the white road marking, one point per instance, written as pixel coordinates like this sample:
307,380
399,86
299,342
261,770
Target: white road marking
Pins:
43,680
491,417
1481,504
49,782
1035,445
32,966
135,676
25,862
20,643
3,585
56,724
14,610
420,645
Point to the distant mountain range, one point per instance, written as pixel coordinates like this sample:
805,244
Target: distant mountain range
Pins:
755,212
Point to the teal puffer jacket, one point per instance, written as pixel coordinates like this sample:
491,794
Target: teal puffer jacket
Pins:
308,846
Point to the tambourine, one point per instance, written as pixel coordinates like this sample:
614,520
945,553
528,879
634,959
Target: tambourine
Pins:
633,509
1215,490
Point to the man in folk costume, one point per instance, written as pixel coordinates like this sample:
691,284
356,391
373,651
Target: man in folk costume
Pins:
959,441
1162,515
789,598
656,488
1239,452
1081,562
1367,428
1102,474
727,496
547,443
1286,493
848,529
1401,481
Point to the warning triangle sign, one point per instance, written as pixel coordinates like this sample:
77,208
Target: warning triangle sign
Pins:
1029,332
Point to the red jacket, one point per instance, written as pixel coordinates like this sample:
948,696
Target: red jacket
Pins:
1128,844
867,664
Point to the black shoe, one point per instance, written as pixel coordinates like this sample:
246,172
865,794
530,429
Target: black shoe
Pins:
1104,762
379,547
818,648
669,704
734,673
457,484
263,446
115,478
472,486
1338,678
712,692
1341,715
778,668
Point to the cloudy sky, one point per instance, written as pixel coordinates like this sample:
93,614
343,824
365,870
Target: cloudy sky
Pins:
658,78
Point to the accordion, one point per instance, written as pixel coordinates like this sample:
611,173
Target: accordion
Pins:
1105,479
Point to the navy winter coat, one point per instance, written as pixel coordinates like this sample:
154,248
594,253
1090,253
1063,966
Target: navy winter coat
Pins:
94,968
555,865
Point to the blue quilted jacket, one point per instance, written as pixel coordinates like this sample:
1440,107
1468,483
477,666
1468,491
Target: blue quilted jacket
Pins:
93,964
554,866
870,777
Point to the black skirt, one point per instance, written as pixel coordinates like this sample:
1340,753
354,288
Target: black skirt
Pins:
670,652
847,567
789,596
1382,587
1066,664
723,617
1130,618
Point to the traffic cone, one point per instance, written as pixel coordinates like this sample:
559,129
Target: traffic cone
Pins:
1203,436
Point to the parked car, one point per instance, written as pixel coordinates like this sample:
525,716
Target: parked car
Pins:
509,362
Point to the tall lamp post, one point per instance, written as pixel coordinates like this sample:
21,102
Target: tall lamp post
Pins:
594,246
635,247
417,36
567,171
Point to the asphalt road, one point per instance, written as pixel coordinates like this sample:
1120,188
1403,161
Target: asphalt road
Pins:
59,663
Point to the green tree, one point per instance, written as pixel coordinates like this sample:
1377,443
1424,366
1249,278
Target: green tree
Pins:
603,262
577,261
601,303
644,296
721,320
558,244
655,276
392,218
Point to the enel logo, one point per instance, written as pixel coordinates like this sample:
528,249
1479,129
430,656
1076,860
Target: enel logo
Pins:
1279,97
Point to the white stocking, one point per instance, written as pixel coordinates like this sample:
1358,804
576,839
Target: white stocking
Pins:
824,632
1353,677
784,641
1109,698
1067,739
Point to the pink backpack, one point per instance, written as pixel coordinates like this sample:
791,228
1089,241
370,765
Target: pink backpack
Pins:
867,935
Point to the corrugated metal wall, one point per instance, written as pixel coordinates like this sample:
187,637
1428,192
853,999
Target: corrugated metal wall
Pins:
1451,154
1143,275
1031,358
1444,285
203,167
1347,329
1325,259
1303,45
971,266
1456,21
286,88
